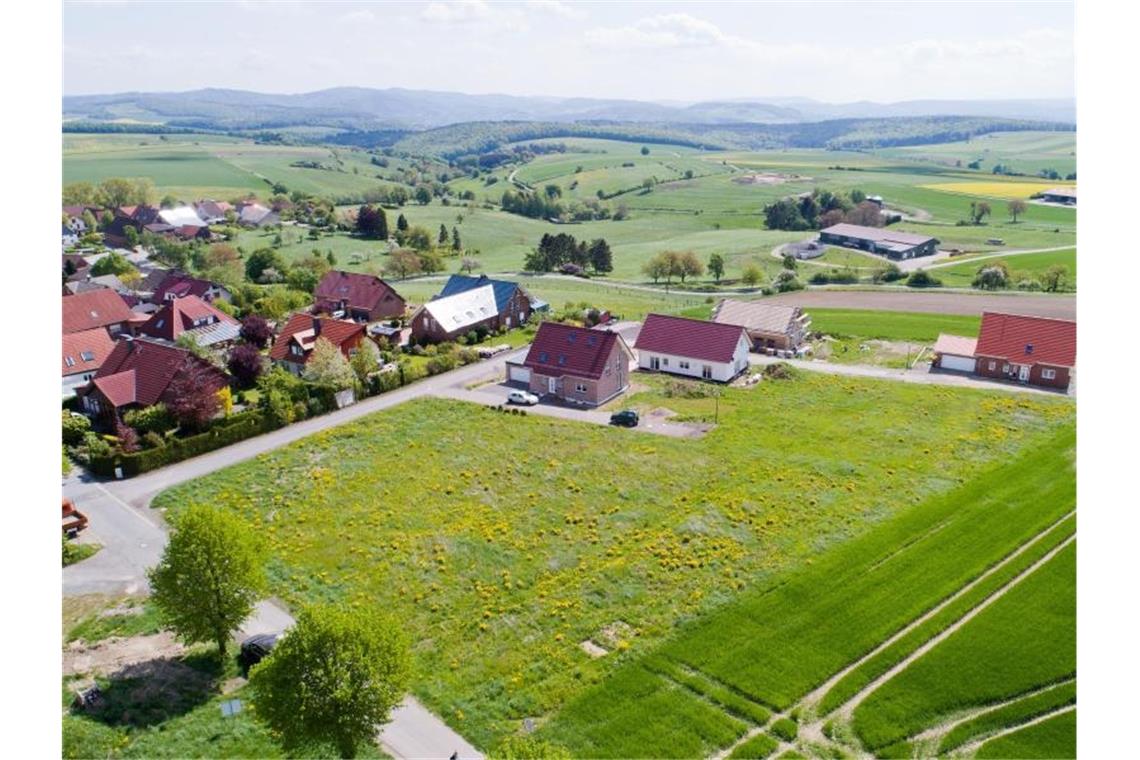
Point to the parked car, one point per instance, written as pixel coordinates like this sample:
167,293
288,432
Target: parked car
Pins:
256,648
522,397
625,418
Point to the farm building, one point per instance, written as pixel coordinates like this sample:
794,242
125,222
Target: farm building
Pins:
576,365
769,326
359,297
692,347
1034,350
295,344
1066,195
890,243
181,216
955,353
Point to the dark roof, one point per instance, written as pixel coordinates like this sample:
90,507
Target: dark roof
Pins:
139,371
178,284
86,351
691,338
304,329
179,315
361,291
458,283
569,350
877,234
93,308
1028,340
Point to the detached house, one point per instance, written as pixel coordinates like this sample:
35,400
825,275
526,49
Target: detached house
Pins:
451,317
139,373
778,327
512,302
177,284
295,344
575,365
692,347
359,297
102,307
83,354
1034,350
211,211
192,316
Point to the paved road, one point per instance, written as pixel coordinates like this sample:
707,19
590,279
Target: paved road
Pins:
934,302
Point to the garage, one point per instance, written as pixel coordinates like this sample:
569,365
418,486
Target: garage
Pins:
516,373
955,353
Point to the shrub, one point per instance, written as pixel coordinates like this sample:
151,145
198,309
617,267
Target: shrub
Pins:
785,728
151,419
786,281
153,440
519,747
920,278
780,371
75,429
245,364
441,364
467,356
888,273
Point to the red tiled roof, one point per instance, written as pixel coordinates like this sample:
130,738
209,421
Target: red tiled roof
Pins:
1028,340
139,371
180,284
304,329
691,338
180,314
77,346
361,291
93,308
569,350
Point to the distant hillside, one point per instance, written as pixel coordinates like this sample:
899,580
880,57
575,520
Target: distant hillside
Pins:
360,108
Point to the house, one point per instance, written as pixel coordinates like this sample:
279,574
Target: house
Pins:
692,347
181,216
95,283
102,307
778,327
1034,350
139,373
1065,195
190,315
512,302
253,214
176,284
83,354
137,217
575,365
451,317
955,353
70,237
295,344
890,243
360,297
211,211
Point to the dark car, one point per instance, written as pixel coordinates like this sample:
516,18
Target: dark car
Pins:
624,418
256,648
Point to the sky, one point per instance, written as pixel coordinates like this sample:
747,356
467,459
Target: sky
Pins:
838,51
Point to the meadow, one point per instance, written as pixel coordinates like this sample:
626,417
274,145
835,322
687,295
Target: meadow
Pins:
505,552
1031,265
1050,739
1026,152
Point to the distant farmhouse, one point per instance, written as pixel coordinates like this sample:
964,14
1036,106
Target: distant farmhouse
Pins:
890,243
1031,350
1065,195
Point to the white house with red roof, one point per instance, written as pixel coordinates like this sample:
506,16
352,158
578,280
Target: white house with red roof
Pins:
692,347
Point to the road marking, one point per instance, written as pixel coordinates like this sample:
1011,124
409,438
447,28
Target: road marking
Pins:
129,508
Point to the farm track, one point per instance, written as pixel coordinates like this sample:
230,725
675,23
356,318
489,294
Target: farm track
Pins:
970,748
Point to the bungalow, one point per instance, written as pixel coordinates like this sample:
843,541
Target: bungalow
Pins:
102,307
778,327
575,365
692,347
512,302
359,297
192,316
1034,350
451,317
295,344
891,243
83,354
176,284
140,373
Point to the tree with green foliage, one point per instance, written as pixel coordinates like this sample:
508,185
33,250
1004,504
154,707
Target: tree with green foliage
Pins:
645,150
601,256
211,574
1054,278
261,260
114,192
89,222
422,195
75,428
688,265
112,263
365,361
751,275
402,223
920,278
79,194
1016,208
417,237
716,266
327,366
402,263
333,680
789,262
656,268
992,276
132,236
978,211
442,238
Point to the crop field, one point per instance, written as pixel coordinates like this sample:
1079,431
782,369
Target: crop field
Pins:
1026,152
1050,739
777,642
1007,190
506,553
1031,264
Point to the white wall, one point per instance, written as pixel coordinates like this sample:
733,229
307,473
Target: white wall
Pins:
721,371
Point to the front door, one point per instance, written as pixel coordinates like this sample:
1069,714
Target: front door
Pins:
1023,373
551,384
654,363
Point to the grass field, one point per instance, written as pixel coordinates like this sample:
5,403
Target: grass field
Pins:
1049,740
1026,152
1030,265
505,561
1022,710
895,325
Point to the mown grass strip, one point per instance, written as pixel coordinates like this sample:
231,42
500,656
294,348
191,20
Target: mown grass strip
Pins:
1024,641
852,683
725,697
758,747
1048,740
1015,713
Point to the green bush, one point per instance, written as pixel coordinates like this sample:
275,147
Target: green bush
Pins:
920,278
780,371
441,364
785,728
518,747
151,419
75,429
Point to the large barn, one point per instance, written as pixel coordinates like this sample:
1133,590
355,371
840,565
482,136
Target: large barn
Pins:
890,243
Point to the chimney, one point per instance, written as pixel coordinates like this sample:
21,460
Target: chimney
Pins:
316,327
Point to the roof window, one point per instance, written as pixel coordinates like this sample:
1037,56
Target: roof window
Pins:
1028,348
87,356
69,360
561,359
544,357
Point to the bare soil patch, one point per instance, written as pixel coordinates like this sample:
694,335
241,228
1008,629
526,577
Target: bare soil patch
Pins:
769,178
115,654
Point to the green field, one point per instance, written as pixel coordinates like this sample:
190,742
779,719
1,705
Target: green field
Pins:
1051,739
1030,265
1026,152
505,561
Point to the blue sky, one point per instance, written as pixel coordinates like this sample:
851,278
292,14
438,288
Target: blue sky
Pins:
682,51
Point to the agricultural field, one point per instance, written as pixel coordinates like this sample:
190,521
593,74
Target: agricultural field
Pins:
1032,265
506,553
1025,152
1006,190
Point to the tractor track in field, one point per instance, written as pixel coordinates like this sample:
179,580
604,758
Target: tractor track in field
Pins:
970,748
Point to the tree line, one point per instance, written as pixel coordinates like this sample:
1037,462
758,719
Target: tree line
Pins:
821,209
564,252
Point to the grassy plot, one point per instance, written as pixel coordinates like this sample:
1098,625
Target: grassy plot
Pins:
758,747
1027,152
504,552
1025,640
892,325
1031,265
1048,740
1021,711
774,643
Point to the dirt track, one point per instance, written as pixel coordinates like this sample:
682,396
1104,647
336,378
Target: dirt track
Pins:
1060,307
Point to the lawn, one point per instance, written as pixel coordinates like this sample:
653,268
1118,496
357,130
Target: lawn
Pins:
1027,152
1048,740
505,551
892,325
1031,265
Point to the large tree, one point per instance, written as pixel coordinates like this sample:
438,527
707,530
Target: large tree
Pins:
372,222
211,574
245,364
716,266
402,263
193,394
333,680
601,256
261,260
255,330
1016,208
688,265
327,366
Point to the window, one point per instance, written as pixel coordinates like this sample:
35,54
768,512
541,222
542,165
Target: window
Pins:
87,356
571,337
706,372
1028,348
1048,374
665,361
1005,367
684,364
561,359
579,387
296,350
993,366
544,357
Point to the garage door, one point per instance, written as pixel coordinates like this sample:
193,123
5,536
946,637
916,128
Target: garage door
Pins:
958,363
519,374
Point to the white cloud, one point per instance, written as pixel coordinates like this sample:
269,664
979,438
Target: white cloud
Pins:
670,30
555,7
362,16
456,11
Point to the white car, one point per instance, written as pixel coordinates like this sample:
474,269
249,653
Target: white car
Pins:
522,397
